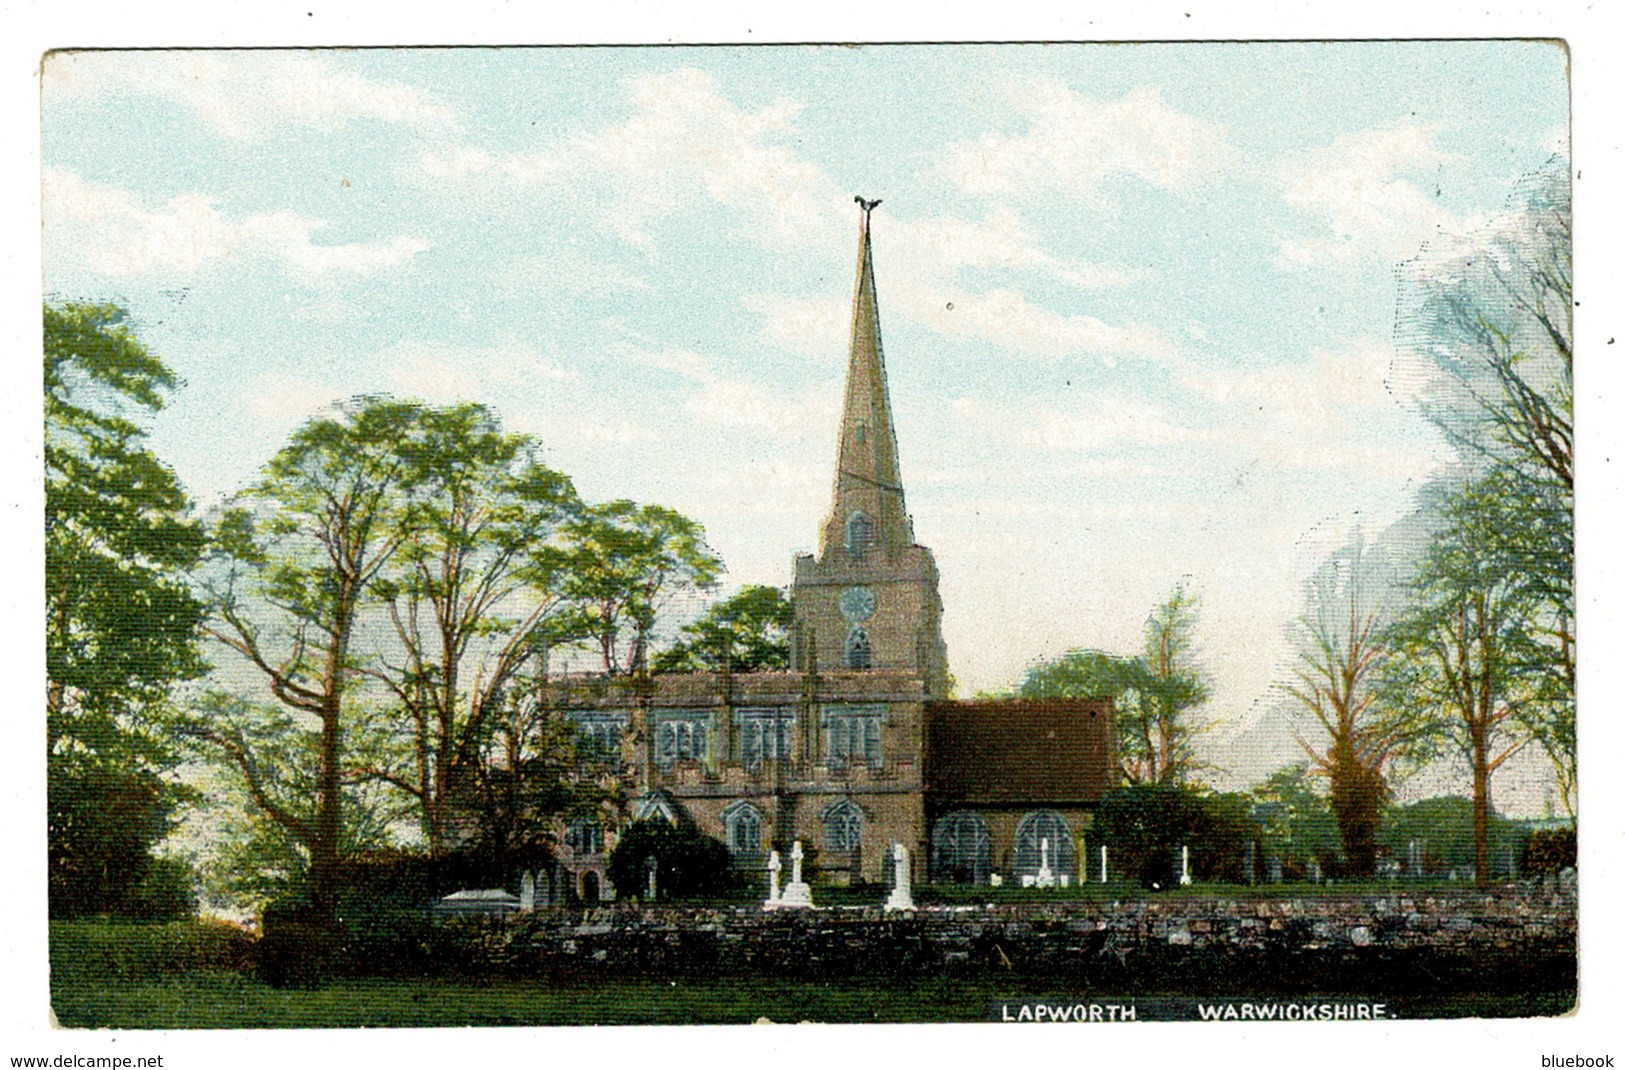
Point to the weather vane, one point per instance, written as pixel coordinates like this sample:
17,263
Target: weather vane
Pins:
867,206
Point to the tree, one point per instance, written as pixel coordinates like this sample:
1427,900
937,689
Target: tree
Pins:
1146,825
1152,694
747,632
1462,649
120,619
473,597
1340,653
1095,674
1493,316
687,861
623,563
293,560
1176,687
1295,819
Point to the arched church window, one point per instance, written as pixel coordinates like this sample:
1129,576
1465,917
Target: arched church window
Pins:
858,653
961,849
1031,832
743,824
843,828
860,534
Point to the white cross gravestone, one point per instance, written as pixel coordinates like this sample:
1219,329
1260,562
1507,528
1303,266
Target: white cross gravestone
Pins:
796,894
1184,865
902,893
774,896
1046,876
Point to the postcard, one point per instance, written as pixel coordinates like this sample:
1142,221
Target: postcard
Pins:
1065,533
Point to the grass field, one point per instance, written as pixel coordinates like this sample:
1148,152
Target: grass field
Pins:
233,1001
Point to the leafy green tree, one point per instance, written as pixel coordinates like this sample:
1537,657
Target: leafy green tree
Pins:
293,560
1176,688
1145,824
120,619
623,564
1445,832
746,632
1494,317
1152,694
473,597
1462,649
1296,819
687,861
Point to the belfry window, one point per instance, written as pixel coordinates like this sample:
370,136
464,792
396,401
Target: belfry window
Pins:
858,653
860,534
743,823
843,828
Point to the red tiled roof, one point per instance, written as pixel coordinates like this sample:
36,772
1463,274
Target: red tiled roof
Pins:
1020,751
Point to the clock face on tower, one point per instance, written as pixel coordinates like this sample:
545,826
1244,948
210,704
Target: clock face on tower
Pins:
857,603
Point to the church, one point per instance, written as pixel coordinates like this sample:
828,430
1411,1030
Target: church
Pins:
858,745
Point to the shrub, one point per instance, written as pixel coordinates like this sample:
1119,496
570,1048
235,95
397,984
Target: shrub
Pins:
1550,851
1442,828
95,952
1146,825
689,862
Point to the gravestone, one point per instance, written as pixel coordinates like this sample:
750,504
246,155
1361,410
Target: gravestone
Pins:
527,891
1273,869
1046,876
797,895
1250,862
902,895
774,896
1184,865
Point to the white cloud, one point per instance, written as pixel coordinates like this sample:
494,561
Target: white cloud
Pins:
945,245
808,326
110,231
1005,317
1354,190
729,401
1337,411
441,372
246,96
686,144
926,261
682,136
1096,422
1073,142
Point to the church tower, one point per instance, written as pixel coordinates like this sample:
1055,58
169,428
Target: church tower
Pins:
868,600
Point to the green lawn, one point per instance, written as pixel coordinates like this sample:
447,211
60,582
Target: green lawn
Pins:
232,1001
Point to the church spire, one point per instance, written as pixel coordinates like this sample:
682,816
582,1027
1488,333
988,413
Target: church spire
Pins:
867,510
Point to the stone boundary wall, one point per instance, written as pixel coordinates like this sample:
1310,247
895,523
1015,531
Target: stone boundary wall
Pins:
1365,938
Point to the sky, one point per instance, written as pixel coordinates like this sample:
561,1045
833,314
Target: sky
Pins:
1137,300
